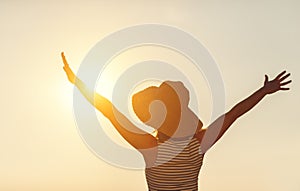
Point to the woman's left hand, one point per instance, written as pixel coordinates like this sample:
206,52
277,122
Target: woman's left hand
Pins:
277,83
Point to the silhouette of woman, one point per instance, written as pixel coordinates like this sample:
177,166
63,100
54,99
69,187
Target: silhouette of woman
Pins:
174,156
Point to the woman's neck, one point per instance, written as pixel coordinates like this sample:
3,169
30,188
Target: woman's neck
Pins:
189,124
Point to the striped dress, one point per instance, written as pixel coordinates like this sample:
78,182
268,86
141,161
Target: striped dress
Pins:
176,167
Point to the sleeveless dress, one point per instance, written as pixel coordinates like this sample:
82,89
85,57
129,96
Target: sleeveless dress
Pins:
176,167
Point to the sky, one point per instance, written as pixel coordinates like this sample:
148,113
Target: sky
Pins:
41,147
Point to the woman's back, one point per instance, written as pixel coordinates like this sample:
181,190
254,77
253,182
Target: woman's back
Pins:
177,165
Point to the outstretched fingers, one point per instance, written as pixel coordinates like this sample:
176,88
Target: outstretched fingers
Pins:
285,83
279,75
284,77
281,79
64,59
284,89
278,83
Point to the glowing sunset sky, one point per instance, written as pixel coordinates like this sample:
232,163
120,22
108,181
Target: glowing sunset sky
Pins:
40,146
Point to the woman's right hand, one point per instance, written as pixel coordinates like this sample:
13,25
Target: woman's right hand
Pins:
70,74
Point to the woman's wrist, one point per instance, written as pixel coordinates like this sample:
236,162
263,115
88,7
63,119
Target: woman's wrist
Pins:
264,90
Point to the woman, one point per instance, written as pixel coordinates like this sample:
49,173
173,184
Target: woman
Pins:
174,156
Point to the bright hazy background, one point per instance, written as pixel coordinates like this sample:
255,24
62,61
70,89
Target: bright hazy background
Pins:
40,146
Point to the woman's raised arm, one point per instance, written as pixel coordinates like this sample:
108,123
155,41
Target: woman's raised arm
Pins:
217,129
133,135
